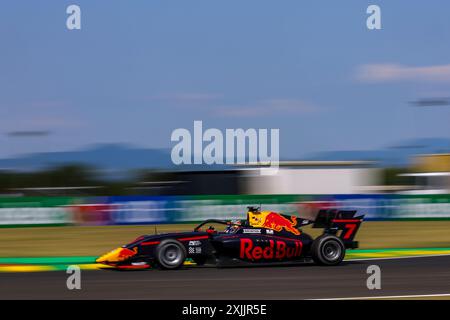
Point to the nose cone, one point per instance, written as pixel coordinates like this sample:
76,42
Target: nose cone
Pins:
115,256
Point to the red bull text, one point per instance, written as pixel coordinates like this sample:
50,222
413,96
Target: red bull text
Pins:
276,249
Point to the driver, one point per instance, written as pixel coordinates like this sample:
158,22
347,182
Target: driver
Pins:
233,226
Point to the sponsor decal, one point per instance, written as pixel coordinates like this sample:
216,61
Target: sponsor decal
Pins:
117,255
195,250
269,231
252,231
195,243
275,249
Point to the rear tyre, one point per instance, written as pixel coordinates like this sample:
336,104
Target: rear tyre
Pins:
170,254
328,250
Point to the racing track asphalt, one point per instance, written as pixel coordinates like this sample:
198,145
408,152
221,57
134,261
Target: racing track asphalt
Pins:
407,276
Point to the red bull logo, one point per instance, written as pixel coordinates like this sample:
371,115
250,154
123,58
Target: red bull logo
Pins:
117,255
276,249
274,221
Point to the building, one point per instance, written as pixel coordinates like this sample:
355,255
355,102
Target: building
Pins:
431,173
313,177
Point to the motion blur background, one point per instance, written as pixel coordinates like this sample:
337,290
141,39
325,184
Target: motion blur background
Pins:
86,117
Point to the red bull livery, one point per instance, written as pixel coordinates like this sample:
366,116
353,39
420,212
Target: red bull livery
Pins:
274,221
264,237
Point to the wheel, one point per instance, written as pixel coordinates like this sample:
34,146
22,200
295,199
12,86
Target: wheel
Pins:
170,254
328,250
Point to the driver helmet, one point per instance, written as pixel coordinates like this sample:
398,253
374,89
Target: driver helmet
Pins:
233,226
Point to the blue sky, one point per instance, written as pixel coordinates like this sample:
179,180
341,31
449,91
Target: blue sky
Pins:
139,69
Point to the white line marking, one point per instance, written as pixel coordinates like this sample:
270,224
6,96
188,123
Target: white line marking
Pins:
391,297
404,257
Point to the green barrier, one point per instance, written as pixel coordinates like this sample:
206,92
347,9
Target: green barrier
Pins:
34,211
58,211
199,208
421,206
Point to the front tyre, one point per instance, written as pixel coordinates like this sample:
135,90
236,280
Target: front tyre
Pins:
170,254
328,250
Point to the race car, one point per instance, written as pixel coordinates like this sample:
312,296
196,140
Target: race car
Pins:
265,237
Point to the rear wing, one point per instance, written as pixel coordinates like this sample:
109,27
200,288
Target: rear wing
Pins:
342,223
